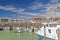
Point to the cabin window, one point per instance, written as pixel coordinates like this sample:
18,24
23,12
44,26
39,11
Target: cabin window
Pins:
49,30
47,25
53,25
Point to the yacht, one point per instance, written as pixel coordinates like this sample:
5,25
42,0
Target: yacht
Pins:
48,31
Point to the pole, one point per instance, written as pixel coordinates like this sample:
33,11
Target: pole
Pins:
58,33
16,18
44,33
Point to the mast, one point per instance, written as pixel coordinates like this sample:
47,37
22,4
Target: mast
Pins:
54,7
15,20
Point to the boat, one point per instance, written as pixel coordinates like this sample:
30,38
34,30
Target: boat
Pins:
48,31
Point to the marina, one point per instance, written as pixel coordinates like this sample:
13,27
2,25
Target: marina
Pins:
29,19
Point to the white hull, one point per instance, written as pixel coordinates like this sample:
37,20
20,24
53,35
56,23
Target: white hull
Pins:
52,34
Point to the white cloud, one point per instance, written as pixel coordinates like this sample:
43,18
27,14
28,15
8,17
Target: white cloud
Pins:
12,9
25,16
48,12
52,12
30,13
35,5
54,6
19,10
54,1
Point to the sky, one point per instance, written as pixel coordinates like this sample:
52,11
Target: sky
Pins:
28,8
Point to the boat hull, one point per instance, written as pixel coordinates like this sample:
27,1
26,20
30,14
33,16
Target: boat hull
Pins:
42,38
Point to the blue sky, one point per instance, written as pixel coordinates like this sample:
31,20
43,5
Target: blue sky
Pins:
24,8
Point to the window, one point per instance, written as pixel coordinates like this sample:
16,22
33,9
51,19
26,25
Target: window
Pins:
47,25
53,25
49,30
4,20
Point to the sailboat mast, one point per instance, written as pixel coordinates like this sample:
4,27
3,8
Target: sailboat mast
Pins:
54,7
